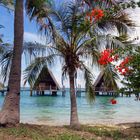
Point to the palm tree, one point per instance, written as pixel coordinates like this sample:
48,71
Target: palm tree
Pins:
72,34
12,99
74,42
73,46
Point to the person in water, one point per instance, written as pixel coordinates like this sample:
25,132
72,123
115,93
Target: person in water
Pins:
113,101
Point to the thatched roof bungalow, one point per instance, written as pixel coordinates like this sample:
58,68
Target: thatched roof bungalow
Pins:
105,84
46,81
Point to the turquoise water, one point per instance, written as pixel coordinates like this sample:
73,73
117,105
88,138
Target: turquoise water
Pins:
56,110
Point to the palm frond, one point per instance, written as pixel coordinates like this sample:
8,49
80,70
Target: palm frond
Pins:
110,74
32,50
32,71
5,62
89,49
63,17
41,10
64,73
115,17
1,49
88,83
100,3
120,21
114,42
37,8
9,4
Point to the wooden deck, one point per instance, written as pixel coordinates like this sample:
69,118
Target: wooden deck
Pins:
53,92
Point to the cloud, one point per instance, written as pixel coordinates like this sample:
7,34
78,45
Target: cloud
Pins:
32,37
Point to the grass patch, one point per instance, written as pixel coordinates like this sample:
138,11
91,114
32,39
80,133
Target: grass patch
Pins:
116,134
24,132
35,132
68,137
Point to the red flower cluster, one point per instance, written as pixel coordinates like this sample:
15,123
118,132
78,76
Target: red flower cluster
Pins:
106,57
122,68
97,14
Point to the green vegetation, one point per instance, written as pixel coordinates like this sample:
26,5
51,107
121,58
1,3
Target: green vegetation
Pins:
133,81
75,39
6,2
35,132
22,131
106,131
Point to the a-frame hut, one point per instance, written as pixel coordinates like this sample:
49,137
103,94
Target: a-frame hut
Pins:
46,81
105,85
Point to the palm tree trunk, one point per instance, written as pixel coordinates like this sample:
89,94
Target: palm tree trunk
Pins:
10,114
74,121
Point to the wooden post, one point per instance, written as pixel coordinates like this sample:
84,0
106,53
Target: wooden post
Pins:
54,93
97,93
50,90
63,91
40,90
42,93
78,91
31,92
37,92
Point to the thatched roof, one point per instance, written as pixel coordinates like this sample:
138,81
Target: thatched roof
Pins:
47,77
99,79
103,84
1,86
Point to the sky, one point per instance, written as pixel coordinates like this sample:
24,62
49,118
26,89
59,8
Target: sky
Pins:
31,34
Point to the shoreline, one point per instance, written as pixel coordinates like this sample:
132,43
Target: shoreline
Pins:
66,121
125,124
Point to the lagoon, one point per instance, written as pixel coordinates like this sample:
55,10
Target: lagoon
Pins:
50,110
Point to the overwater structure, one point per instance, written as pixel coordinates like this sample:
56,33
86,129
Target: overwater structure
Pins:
104,86
45,82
